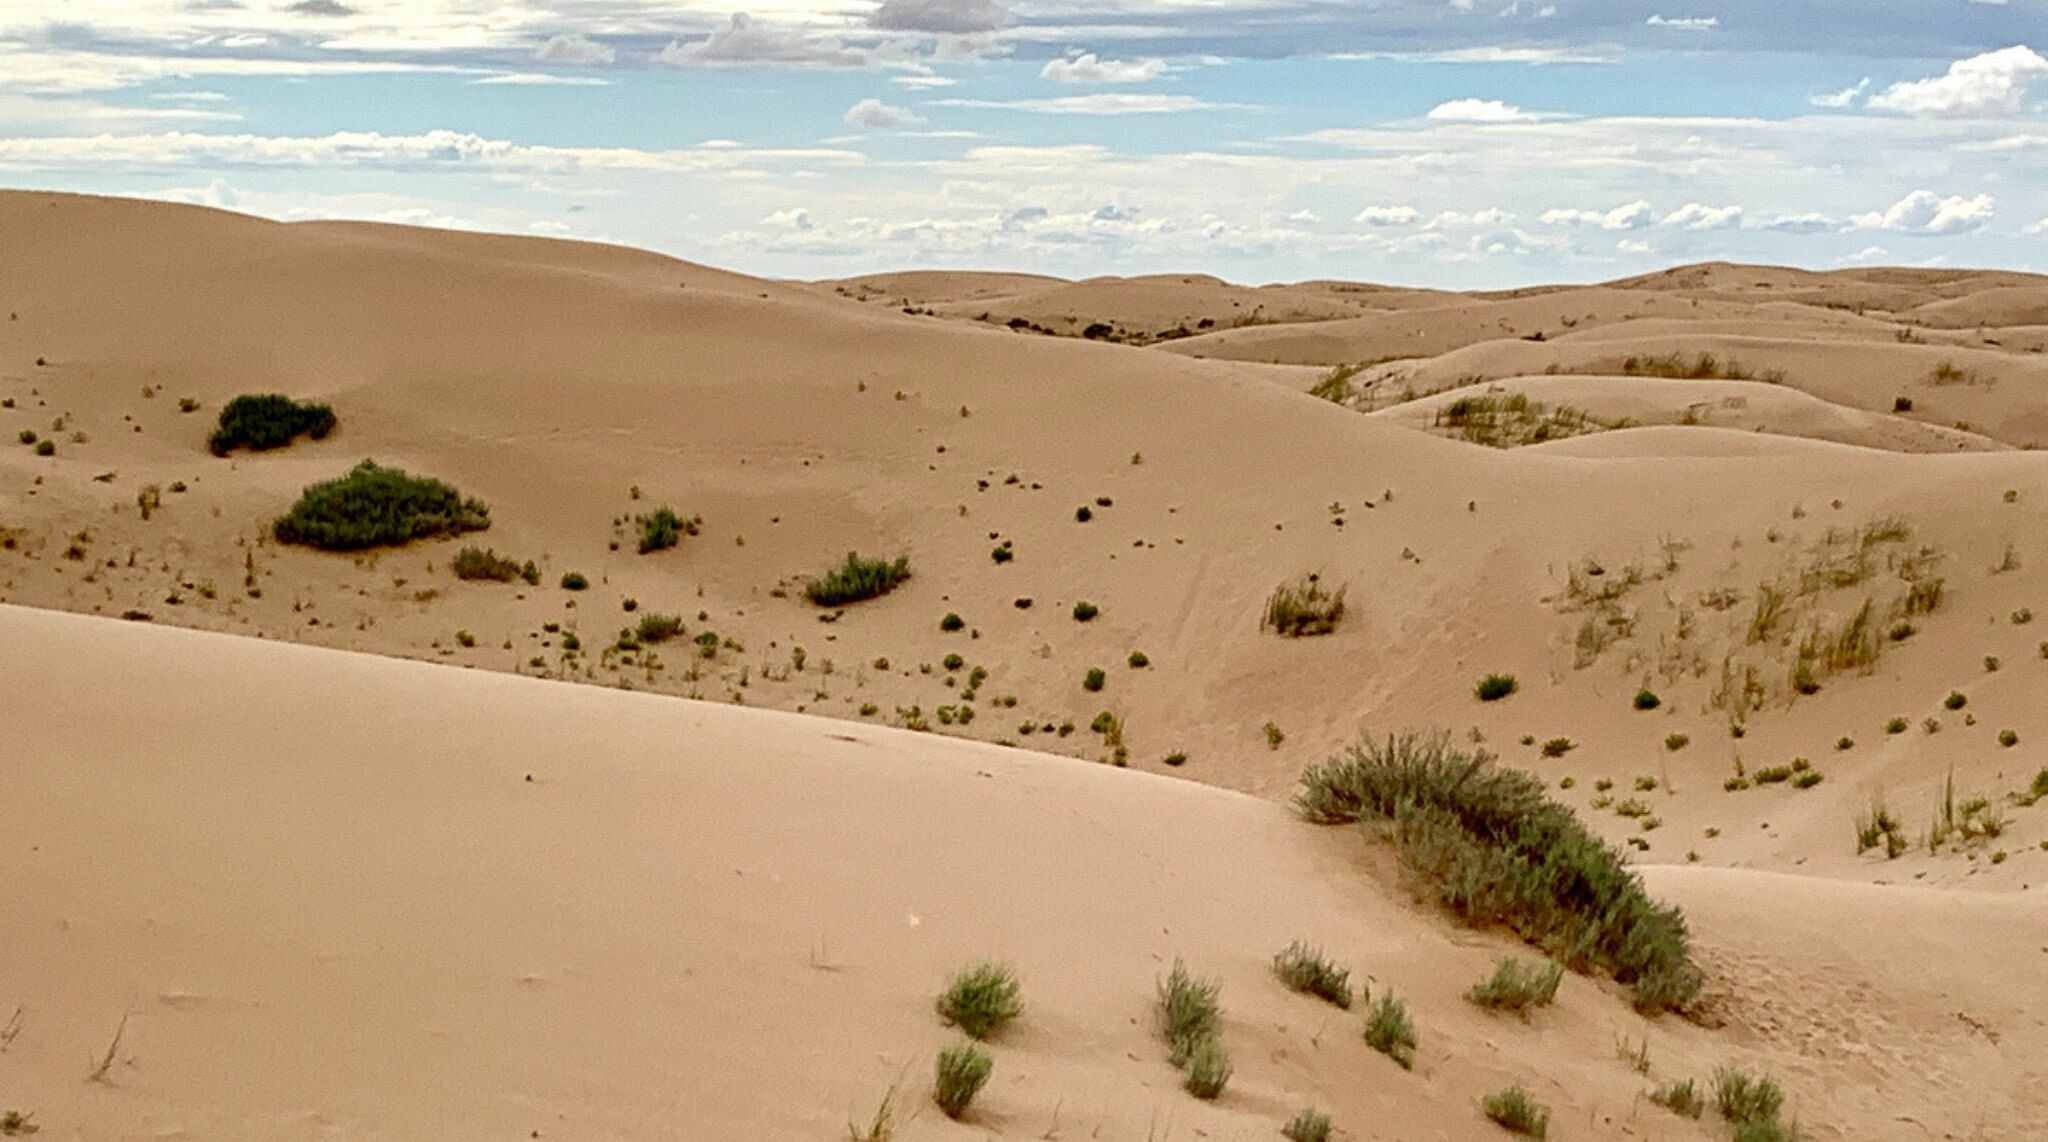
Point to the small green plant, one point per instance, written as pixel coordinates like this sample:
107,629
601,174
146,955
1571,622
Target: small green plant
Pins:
373,506
1516,986
465,639
655,627
1307,1125
1389,1031
1680,1097
262,421
1208,1068
1094,680
483,563
857,579
1494,687
26,436
1303,608
1189,1012
1274,735
1518,1113
1675,741
981,998
961,1072
1956,700
1558,747
1085,612
1647,700
1003,553
1305,969
1879,828
1895,726
2008,738
952,662
952,622
46,448
574,581
662,528
1138,660
1744,1098
1083,514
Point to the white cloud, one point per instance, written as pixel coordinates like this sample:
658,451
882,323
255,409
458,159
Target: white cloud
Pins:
1846,97
1630,216
1865,256
574,49
875,114
746,42
1994,83
1389,216
796,218
1486,111
1632,246
923,82
945,17
1685,23
1801,224
1105,104
539,79
2040,227
1086,68
1925,213
1491,216
1693,216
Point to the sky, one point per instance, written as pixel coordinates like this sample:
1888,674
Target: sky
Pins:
1458,143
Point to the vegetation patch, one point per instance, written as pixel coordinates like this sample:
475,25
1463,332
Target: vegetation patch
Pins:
662,528
1307,1125
1494,687
1516,986
981,998
1516,1112
1513,421
1305,969
1390,1031
1303,608
374,506
484,563
857,579
962,1070
263,421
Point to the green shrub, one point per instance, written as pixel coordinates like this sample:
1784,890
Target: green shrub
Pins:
1680,1097
2008,738
1274,735
1305,969
1085,612
961,1072
26,436
1517,987
951,623
1646,700
981,998
1189,1012
1495,849
1558,747
1743,1098
1307,1125
574,581
857,579
1083,514
1517,1113
1895,726
268,420
658,627
483,563
1494,687
1389,1031
1094,680
1676,741
373,506
1208,1068
1139,661
46,448
952,662
1956,700
570,641
1003,553
1302,608
662,528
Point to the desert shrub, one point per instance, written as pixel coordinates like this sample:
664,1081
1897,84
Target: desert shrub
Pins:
1494,687
656,627
483,563
2008,738
570,641
1083,514
1138,660
1517,1113
1306,970
1676,741
981,998
952,622
1094,680
1895,726
952,662
1303,608
1208,1068
465,639
1189,1012
1307,1125
1879,828
1558,747
1680,1097
1515,986
1003,553
662,528
1745,1098
46,448
1389,1031
961,1071
1647,700
1494,849
262,421
857,579
1956,700
1274,735
574,581
26,436
373,506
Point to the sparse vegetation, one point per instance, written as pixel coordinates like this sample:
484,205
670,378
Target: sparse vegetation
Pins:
1307,1125
1085,612
1517,1113
484,563
1190,1015
952,623
1094,680
1516,986
1138,660
574,581
1513,421
263,421
1305,969
857,579
1744,1098
662,528
981,998
1494,687
373,506
1208,1068
654,627
1701,367
1303,608
1680,1097
1646,700
961,1072
1390,1031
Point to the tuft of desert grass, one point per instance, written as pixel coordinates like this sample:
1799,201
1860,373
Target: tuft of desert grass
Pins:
961,1071
1307,1125
1390,1031
1516,986
1517,1112
1680,1097
981,998
1189,1012
1305,969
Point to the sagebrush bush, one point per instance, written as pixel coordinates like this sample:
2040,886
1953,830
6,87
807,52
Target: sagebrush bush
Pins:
856,579
574,581
1208,1068
1517,1112
1516,986
952,622
1389,1031
1304,607
1138,660
1094,680
1681,1097
1494,849
1494,687
1647,700
373,506
46,448
1742,1097
961,1072
656,627
484,563
1085,612
1305,969
1307,1125
981,998
261,421
662,528
1189,1012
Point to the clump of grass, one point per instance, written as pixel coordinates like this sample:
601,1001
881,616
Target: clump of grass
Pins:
1513,421
46,448
1956,700
1274,735
1517,1113
1879,828
14,1124
1895,726
2008,738
1558,747
261,421
1094,680
658,627
1307,1125
1085,611
1390,1031
952,622
1208,1068
1189,1012
961,1072
1305,969
1680,1097
1676,741
574,581
1494,849
1516,986
1494,687
1744,1098
857,579
373,506
1303,608
483,563
1139,660
1647,700
981,998
662,528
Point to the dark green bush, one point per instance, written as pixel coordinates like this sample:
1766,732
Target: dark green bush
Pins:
1647,700
658,627
857,579
1494,849
483,563
373,506
1494,687
1139,661
1389,1031
574,581
1305,969
1517,1113
953,662
262,421
961,1072
981,998
1208,1068
46,448
1517,987
1085,612
1094,680
1189,1012
662,528
951,623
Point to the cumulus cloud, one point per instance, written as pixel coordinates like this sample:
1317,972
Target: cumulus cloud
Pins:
1104,104
1491,216
1086,68
875,114
574,49
1693,216
1685,23
1995,83
1846,97
796,218
1485,111
1926,213
2040,227
332,8
1389,216
745,42
1630,216
942,17
1801,224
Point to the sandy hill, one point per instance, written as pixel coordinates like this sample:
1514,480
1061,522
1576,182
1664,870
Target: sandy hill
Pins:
1744,609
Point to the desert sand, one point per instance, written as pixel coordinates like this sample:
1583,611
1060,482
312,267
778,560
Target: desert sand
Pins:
709,890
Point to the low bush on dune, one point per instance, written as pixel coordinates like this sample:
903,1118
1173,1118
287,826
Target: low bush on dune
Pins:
1191,1021
373,506
484,563
981,998
262,421
662,528
575,581
961,1072
1390,1031
1307,1125
1680,1097
1494,687
1303,607
655,627
1516,986
857,579
1745,1099
1516,1112
1492,847
1208,1069
1305,969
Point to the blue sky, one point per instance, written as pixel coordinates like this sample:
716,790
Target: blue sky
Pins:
1466,143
